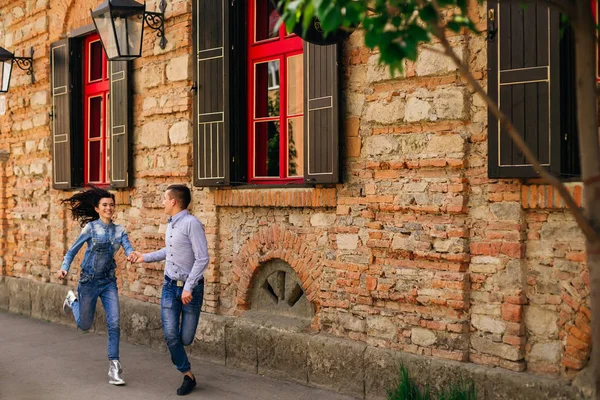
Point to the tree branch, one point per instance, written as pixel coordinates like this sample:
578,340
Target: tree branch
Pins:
580,218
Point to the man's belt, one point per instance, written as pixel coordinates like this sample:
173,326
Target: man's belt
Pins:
178,283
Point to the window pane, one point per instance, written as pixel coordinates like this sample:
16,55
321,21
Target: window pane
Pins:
296,146
108,134
266,19
266,148
94,160
95,124
295,85
96,61
266,88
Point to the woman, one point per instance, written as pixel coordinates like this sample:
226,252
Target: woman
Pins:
94,209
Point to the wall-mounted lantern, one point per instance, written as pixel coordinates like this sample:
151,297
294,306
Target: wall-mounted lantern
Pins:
120,24
6,62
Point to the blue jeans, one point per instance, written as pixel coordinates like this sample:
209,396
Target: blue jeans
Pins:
85,307
180,321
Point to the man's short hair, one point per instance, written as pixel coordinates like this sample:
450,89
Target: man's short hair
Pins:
181,194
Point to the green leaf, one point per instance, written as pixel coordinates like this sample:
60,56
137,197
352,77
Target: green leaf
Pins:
417,33
454,26
428,14
332,19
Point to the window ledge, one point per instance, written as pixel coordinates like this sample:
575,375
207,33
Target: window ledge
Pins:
288,197
546,196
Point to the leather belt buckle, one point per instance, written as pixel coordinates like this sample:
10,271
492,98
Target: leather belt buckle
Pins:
180,283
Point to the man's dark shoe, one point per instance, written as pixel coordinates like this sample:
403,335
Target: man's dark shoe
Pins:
187,385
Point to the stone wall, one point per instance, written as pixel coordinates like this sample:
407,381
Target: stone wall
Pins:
417,250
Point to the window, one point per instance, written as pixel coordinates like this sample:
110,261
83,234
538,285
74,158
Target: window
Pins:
532,77
266,109
91,114
95,98
275,85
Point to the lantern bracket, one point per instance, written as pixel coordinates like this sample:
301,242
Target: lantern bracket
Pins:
26,64
156,21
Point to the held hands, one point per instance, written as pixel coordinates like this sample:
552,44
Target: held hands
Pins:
186,297
136,257
61,274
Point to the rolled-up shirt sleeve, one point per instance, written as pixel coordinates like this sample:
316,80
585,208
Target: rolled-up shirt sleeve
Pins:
84,236
201,258
158,255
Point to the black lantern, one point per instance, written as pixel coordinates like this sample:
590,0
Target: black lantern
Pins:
120,24
6,62
314,32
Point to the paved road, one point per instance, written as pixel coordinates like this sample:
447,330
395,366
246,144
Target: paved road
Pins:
44,361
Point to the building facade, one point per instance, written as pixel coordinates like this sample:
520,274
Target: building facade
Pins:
381,210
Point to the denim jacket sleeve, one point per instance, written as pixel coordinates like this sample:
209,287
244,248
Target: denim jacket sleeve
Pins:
84,236
127,247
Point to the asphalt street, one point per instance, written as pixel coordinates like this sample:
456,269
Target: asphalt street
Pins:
45,361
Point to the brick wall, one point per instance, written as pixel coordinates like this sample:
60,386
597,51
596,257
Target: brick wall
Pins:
417,250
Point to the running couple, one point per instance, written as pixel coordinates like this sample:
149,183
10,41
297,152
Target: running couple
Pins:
186,258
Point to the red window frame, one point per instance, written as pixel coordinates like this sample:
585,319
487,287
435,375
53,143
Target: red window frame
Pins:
595,13
93,89
281,48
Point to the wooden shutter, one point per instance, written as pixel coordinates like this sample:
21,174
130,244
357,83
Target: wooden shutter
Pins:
211,72
321,125
67,163
120,117
524,78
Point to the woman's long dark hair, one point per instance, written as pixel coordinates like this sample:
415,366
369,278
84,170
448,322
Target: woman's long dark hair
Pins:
83,204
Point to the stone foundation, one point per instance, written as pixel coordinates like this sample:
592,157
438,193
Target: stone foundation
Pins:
283,349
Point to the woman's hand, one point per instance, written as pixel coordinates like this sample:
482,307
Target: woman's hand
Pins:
61,274
136,257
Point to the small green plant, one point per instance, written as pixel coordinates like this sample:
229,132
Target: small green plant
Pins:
406,389
459,391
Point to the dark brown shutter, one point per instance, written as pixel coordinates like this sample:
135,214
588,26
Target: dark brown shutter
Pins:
321,125
524,78
211,72
62,173
120,113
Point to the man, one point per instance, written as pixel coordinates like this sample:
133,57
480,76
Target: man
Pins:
186,258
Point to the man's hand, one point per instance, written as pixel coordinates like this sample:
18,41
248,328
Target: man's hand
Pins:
186,297
61,274
136,257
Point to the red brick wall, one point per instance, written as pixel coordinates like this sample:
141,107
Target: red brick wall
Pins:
417,250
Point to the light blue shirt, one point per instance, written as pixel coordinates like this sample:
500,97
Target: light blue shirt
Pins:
97,232
186,251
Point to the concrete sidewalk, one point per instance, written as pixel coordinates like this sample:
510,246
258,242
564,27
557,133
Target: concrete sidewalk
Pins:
44,361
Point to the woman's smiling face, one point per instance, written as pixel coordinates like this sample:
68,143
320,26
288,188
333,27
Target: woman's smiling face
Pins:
106,208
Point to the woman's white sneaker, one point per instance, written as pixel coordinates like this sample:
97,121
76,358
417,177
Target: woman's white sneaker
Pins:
69,299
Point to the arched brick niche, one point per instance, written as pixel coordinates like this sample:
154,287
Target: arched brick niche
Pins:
277,289
275,243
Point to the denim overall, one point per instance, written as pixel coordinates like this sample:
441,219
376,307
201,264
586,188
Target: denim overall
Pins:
98,279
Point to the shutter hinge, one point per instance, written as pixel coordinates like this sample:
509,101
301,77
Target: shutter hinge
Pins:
492,29
194,88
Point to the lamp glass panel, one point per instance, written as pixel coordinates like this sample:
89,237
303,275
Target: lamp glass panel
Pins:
105,29
135,30
5,70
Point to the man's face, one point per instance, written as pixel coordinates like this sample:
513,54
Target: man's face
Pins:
168,203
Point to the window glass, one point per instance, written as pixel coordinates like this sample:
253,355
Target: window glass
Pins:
296,146
95,67
266,89
266,149
295,85
266,18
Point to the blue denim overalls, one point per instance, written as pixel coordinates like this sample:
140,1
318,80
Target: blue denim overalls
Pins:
98,279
